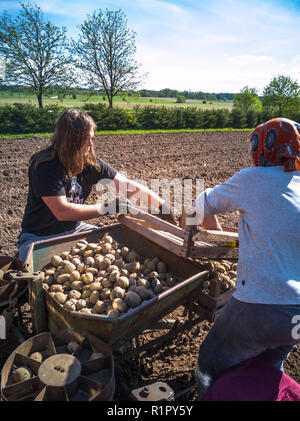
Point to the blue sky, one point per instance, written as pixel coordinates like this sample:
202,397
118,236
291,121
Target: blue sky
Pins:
210,46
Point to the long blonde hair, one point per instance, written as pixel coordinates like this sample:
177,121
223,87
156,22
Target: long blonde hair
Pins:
70,135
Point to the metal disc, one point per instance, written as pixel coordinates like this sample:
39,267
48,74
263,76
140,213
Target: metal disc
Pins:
59,370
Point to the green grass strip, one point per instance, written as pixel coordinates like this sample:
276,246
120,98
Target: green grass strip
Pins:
104,132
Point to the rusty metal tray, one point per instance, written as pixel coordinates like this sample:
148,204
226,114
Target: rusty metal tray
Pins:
10,287
116,330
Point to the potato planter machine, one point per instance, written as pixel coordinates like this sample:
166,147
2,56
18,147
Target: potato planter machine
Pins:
149,236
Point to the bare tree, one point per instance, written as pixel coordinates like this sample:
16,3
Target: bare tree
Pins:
34,51
105,53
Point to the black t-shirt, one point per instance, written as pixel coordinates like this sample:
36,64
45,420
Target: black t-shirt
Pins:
48,179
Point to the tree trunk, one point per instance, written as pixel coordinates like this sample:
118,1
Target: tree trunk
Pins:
110,100
40,99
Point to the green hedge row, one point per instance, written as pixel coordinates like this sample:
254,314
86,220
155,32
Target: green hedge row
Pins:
24,118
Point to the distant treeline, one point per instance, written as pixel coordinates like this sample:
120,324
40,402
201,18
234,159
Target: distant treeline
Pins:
172,93
26,118
144,93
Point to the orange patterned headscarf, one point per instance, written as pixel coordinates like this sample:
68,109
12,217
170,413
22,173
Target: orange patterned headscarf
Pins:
277,138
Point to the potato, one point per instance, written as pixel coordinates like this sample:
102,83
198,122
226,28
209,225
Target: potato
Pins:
64,254
234,266
48,280
77,285
76,261
132,299
142,292
93,271
119,304
89,261
113,313
85,310
143,283
106,283
56,261
46,287
131,256
49,272
74,276
81,245
107,239
56,288
117,292
92,246
69,305
232,273
114,276
119,263
81,267
171,281
161,267
220,268
105,293
86,294
123,282
158,287
151,265
96,286
110,256
72,346
80,304
61,279
99,307
132,282
105,264
98,258
124,251
153,275
21,374
70,267
60,297
133,267
94,297
74,294
124,272
37,356
106,247
87,278
67,286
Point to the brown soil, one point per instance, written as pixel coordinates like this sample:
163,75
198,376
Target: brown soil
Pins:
214,156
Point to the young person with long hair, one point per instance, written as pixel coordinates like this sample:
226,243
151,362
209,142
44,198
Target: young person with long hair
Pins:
260,318
62,176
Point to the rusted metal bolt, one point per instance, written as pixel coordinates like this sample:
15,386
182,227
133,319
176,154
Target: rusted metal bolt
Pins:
144,393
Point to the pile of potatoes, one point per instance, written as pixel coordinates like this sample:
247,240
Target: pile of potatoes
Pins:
226,272
104,278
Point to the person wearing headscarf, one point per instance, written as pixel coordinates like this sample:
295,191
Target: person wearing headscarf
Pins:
263,316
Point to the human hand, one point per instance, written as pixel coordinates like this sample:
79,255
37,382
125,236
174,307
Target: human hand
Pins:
211,223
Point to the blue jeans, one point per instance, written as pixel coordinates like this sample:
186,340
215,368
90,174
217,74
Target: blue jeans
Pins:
242,331
26,239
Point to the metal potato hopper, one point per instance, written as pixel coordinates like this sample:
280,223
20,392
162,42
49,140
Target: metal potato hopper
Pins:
48,314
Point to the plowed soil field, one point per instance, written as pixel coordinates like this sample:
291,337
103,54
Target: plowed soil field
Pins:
213,156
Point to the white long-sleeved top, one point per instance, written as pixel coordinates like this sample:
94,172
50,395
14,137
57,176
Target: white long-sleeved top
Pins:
268,199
